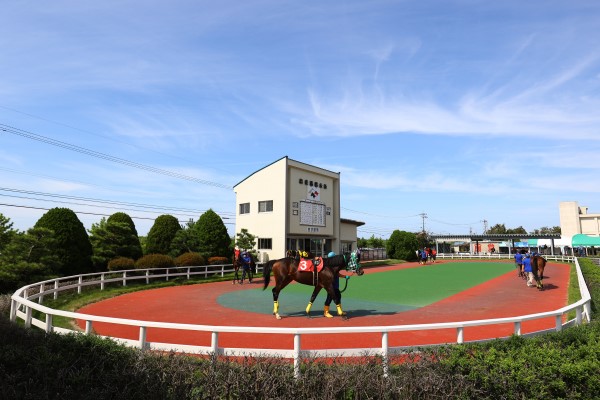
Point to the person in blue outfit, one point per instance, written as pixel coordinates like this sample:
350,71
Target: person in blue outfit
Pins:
246,266
528,269
336,288
519,263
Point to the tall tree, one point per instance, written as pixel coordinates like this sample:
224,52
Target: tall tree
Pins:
73,246
130,241
29,257
214,240
498,229
6,231
186,240
161,234
402,245
111,239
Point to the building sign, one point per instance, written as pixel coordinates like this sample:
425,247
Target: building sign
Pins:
314,193
312,213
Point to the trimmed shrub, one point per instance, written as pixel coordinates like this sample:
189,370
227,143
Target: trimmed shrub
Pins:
218,260
155,261
121,264
73,247
190,259
162,234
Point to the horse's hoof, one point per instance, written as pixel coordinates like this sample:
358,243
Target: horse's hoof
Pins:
277,316
345,317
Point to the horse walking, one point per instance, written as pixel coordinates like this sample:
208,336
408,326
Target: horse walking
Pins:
287,269
539,264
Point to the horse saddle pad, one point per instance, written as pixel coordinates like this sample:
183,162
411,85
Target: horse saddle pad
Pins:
309,265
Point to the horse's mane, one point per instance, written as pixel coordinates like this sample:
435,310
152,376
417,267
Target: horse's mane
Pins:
335,261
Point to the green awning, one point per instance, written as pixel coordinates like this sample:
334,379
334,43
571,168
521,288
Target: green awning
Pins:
585,240
532,242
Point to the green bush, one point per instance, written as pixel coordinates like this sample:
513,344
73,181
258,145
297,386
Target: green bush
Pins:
218,260
155,261
73,247
161,234
121,263
190,259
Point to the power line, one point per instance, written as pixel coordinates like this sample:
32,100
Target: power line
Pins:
102,201
86,213
107,157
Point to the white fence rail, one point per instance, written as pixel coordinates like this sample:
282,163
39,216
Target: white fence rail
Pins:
29,298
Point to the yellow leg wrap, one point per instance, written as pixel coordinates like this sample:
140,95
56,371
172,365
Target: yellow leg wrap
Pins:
275,307
339,310
326,312
308,307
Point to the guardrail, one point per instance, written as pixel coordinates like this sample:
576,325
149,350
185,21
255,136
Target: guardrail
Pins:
23,304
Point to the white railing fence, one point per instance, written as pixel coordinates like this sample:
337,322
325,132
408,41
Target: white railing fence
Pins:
29,298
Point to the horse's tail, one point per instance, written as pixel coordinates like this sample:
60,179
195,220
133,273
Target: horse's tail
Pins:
267,273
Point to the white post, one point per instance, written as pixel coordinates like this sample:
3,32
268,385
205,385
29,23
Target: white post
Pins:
49,328
55,289
102,281
13,310
88,327
142,337
28,317
558,323
188,273
124,278
459,334
579,316
297,355
147,276
167,273
214,342
385,352
41,298
80,281
518,328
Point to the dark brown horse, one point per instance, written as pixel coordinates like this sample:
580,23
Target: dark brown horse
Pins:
286,270
538,264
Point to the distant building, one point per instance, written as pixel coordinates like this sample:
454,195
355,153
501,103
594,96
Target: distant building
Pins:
290,205
575,220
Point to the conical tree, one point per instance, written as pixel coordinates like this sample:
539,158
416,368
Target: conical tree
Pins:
214,240
73,247
130,246
162,234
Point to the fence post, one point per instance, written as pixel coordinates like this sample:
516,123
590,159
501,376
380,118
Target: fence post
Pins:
188,273
27,317
56,289
385,352
13,310
42,290
79,283
459,334
518,328
143,337
147,276
214,342
102,281
49,327
297,355
124,278
88,327
558,323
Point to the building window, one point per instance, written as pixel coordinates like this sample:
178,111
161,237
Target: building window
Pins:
265,206
265,244
245,208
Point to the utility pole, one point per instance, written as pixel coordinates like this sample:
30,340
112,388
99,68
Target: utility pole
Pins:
423,216
485,226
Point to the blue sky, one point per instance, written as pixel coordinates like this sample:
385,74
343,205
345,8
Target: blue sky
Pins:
467,111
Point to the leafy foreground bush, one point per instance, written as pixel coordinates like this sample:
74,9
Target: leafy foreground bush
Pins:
189,259
121,264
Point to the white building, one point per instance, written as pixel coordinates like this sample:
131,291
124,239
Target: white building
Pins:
575,220
289,205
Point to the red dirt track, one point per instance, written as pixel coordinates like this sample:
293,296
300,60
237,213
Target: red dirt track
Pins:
505,296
